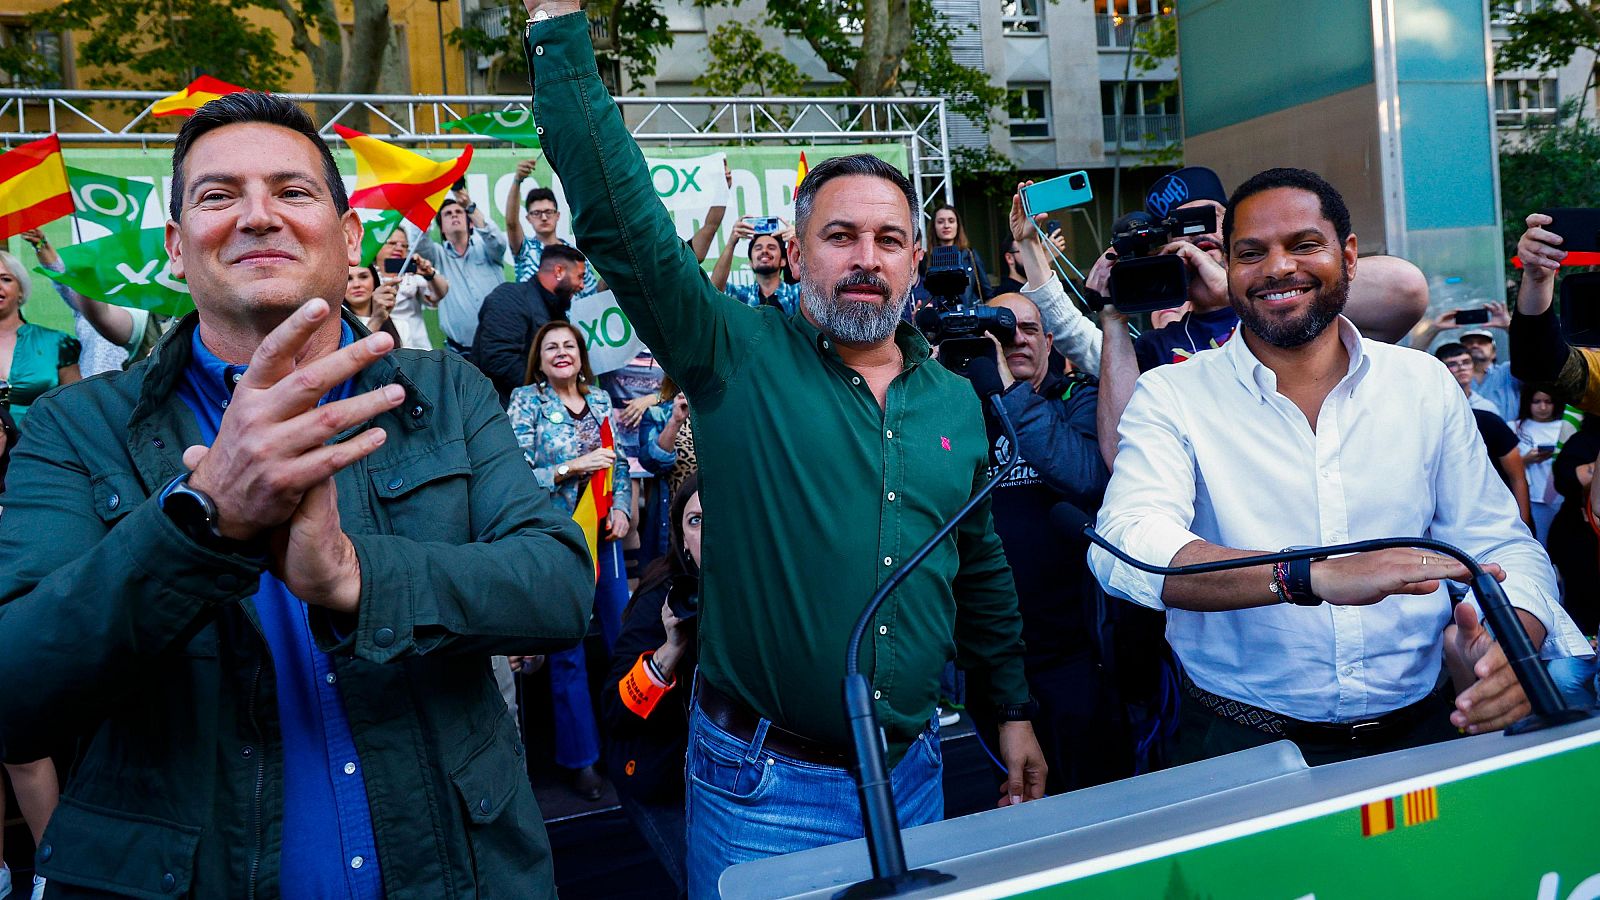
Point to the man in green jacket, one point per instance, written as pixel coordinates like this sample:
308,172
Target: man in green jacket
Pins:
830,446
261,575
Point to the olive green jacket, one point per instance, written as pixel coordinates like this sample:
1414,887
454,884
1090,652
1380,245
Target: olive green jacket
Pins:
120,632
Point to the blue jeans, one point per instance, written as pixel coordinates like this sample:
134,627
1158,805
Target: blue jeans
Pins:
577,737
1578,679
745,804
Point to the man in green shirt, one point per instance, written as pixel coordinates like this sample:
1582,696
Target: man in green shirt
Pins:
831,445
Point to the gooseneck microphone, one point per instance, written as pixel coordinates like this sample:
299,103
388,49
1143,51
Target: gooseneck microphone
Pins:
1548,706
880,821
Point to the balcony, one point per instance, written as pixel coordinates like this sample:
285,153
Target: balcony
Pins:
1149,131
1114,32
493,20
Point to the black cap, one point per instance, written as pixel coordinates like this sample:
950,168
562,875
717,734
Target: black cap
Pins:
1177,188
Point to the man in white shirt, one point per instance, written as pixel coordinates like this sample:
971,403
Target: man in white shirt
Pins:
1303,433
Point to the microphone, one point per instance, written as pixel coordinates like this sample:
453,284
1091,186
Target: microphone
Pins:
1071,522
1548,707
879,819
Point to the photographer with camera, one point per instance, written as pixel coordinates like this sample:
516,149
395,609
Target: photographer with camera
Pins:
1079,721
645,708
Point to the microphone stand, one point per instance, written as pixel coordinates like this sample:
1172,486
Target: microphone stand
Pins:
1548,707
879,819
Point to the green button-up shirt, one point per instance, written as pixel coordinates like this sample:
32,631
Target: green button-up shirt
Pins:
813,493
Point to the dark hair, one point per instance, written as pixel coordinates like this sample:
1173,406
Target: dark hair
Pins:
535,375
1525,402
674,562
961,229
539,193
438,217
1333,208
388,326
561,253
1449,350
251,106
1008,244
783,252
855,164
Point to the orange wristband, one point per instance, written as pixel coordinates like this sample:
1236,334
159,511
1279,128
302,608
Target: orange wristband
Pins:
639,691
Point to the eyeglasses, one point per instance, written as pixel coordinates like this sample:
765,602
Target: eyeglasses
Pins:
543,213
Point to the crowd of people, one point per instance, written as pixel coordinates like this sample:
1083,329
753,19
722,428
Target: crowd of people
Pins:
273,592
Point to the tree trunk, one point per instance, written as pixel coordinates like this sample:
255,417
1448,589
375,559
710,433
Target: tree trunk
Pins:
885,35
363,56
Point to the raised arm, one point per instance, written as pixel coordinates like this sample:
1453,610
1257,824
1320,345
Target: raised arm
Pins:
699,334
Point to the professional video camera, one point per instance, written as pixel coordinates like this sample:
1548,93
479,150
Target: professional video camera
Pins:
958,328
1143,280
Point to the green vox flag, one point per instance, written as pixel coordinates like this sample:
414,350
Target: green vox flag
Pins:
514,125
129,268
377,225
116,203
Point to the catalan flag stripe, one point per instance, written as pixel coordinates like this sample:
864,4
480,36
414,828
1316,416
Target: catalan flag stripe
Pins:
33,186
1422,806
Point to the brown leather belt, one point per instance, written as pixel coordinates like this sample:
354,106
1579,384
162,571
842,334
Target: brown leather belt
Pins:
740,721
1368,731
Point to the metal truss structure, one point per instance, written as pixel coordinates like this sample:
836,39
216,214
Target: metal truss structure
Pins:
122,118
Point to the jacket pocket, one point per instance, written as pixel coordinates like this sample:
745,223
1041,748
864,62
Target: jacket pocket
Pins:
119,852
505,833
425,496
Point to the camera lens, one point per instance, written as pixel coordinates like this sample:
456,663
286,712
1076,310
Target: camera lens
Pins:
1078,182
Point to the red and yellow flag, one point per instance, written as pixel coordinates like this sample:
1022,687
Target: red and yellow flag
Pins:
799,175
388,177
594,505
200,91
1406,810
33,186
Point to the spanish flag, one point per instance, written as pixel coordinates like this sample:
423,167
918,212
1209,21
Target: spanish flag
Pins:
33,186
595,504
1377,818
1415,808
388,177
799,175
200,91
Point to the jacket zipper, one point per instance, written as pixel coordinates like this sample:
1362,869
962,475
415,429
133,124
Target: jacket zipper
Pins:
261,779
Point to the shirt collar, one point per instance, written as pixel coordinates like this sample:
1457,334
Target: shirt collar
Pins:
214,378
1263,382
913,346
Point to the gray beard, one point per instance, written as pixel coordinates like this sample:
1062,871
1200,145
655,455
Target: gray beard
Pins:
852,321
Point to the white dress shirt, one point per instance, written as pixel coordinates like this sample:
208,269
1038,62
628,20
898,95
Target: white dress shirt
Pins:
1210,450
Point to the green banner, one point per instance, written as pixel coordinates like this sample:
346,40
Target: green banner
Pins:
514,125
1506,827
378,224
113,203
129,268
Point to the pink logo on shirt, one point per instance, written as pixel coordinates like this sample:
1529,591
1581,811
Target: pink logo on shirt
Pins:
944,442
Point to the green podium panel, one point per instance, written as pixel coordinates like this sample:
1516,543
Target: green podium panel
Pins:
1492,816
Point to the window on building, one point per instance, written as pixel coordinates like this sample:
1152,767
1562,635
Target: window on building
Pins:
1507,11
32,57
1519,101
1116,20
1022,16
1149,112
1028,111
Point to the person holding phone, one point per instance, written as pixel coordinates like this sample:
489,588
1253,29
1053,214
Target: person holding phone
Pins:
769,261
557,417
1539,353
1541,431
417,284
371,299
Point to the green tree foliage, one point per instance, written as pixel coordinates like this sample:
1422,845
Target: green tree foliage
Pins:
161,45
741,63
629,33
1549,35
1553,166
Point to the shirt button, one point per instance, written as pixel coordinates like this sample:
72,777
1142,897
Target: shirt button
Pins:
395,483
877,695
856,380
538,51
46,852
1347,671
383,637
159,443
113,501
539,129
332,678
247,752
888,560
889,433
169,883
349,768
883,629
483,806
357,862
416,411
891,496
